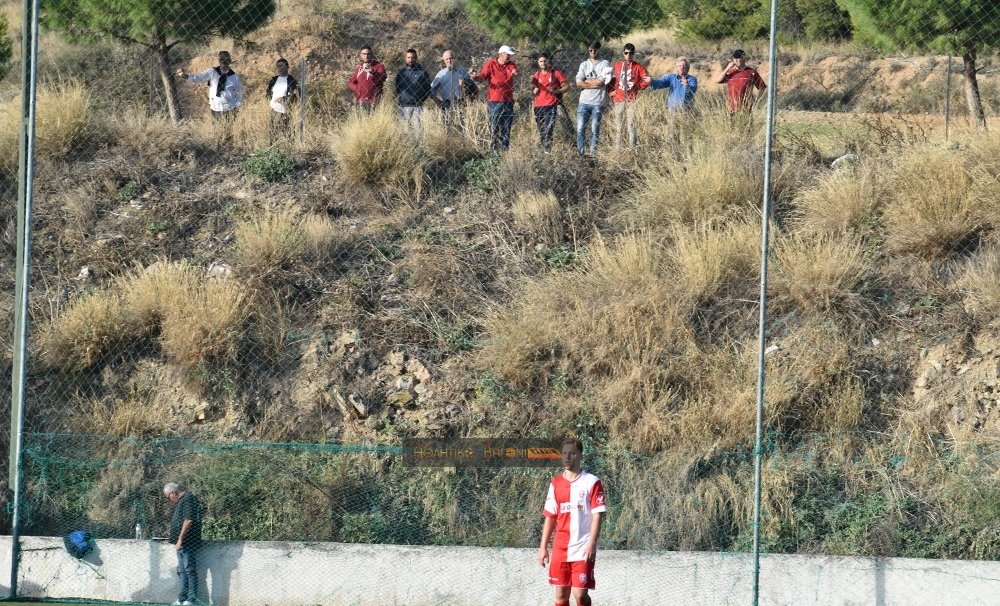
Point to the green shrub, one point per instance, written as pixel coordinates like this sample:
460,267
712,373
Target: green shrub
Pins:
269,165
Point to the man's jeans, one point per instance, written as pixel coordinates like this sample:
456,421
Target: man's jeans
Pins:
411,117
501,116
625,121
187,566
585,112
545,119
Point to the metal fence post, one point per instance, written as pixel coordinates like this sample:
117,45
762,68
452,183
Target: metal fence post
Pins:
22,279
772,85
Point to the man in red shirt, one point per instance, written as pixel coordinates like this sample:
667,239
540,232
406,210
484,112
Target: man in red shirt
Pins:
573,509
628,78
367,80
499,74
740,82
548,86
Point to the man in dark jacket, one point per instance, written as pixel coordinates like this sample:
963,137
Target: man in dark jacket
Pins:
367,80
413,87
185,534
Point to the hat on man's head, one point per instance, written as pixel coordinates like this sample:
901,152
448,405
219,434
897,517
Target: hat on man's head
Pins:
505,50
739,54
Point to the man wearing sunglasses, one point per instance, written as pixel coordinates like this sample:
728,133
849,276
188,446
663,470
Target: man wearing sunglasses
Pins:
592,79
629,77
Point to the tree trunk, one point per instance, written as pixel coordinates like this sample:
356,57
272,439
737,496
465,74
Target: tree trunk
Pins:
976,113
167,77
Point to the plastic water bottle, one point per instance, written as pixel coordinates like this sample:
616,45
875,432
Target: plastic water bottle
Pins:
138,531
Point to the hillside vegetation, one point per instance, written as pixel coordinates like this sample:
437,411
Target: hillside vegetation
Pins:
361,287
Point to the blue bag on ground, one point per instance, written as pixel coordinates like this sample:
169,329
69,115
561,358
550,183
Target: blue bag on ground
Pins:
79,543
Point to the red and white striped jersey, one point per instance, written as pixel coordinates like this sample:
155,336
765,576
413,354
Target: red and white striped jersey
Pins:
573,505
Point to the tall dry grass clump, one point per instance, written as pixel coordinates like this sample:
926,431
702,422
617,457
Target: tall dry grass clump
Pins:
375,149
611,327
198,318
447,143
85,332
62,117
705,257
701,187
207,325
283,239
817,273
981,282
843,201
539,215
932,212
148,293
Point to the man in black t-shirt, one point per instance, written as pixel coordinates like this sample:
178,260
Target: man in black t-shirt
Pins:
185,534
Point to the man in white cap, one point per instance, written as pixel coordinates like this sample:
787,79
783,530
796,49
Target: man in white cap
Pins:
499,74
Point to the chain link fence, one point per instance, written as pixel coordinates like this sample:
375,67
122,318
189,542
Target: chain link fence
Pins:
257,273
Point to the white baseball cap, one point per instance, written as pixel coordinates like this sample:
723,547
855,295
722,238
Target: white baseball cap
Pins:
505,50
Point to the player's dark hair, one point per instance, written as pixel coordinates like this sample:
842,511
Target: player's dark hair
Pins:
282,60
366,47
630,47
596,45
411,50
574,441
543,55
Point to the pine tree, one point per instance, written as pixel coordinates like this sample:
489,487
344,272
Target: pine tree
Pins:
563,23
953,26
158,25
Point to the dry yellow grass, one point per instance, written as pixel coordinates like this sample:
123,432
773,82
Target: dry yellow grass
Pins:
981,282
61,120
817,273
207,325
842,201
932,212
705,257
283,239
124,418
85,332
149,293
702,187
539,215
198,318
374,149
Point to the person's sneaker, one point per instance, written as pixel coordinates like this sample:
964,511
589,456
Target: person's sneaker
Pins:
187,603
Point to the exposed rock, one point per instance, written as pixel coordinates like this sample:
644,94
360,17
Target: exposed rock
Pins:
84,274
845,161
347,342
418,370
402,399
405,383
219,270
396,362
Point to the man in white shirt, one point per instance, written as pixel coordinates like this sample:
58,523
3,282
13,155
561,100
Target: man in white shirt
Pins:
225,88
592,79
282,90
451,86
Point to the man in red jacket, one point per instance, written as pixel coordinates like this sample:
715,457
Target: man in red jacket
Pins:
367,80
548,85
628,78
499,74
740,81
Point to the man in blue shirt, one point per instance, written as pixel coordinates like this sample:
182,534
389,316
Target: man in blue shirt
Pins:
680,86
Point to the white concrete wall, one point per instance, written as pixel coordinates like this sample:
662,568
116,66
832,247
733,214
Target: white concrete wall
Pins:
335,574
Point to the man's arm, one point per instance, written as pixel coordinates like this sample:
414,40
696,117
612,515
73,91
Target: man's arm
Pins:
661,82
184,529
543,546
563,84
199,78
590,551
725,73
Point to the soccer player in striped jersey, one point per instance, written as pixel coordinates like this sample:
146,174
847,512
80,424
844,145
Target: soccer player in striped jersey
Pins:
573,511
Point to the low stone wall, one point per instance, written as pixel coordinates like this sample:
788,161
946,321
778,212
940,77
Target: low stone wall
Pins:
335,574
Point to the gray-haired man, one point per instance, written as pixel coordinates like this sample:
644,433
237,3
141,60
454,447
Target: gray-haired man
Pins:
451,87
185,534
